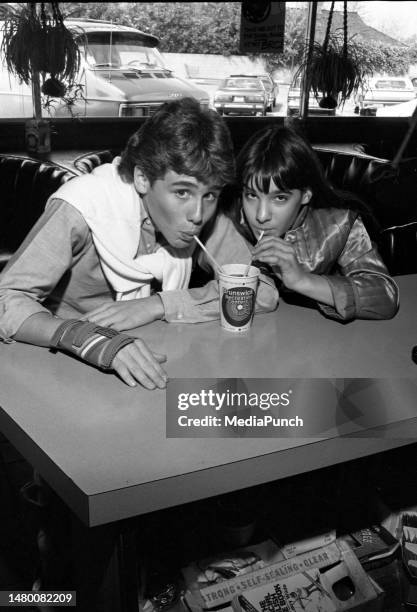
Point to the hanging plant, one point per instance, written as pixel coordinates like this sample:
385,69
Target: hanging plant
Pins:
72,94
334,73
36,40
54,88
333,69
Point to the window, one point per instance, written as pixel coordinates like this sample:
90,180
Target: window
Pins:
132,60
244,83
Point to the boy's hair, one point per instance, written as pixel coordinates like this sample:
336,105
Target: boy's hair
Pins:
285,156
183,137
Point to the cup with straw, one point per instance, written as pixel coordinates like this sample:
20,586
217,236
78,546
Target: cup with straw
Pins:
237,292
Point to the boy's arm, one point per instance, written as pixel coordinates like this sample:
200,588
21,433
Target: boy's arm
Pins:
33,272
134,362
38,265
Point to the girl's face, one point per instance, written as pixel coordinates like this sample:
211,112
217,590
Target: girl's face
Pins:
273,212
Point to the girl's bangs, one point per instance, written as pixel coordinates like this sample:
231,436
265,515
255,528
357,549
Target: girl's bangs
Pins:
261,180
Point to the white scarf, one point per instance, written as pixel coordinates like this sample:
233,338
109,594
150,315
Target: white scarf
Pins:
114,213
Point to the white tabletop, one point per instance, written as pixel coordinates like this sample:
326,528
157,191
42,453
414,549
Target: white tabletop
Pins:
103,446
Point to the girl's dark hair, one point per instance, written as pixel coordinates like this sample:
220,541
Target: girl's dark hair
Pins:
283,155
183,137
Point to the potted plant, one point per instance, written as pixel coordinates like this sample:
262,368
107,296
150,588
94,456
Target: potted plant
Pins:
333,69
37,47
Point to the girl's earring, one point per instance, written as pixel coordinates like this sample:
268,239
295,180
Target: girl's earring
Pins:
242,218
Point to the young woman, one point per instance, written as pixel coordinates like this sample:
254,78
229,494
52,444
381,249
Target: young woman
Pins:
311,236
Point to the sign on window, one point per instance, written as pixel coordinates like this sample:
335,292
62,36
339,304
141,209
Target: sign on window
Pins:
262,27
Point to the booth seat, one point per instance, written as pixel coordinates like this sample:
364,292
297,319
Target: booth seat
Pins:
25,186
87,162
398,247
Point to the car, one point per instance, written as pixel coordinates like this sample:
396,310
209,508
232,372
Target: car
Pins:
405,109
293,102
241,95
270,85
122,74
386,90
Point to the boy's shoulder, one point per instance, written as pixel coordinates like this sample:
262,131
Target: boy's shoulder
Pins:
101,194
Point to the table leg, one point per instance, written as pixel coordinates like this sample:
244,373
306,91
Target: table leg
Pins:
105,568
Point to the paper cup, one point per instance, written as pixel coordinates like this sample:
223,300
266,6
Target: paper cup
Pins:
237,293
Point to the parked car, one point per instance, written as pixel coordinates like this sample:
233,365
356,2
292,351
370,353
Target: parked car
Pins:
122,74
405,109
270,85
241,95
293,102
386,90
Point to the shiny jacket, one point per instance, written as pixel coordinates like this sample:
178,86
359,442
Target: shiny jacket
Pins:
334,243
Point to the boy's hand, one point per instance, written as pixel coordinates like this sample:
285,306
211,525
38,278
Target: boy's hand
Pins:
136,363
127,314
281,255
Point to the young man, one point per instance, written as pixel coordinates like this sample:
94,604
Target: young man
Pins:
87,269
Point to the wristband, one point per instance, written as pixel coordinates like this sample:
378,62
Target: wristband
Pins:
92,343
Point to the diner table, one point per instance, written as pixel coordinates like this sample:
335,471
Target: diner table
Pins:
102,446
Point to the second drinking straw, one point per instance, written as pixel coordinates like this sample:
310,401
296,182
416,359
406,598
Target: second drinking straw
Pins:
257,242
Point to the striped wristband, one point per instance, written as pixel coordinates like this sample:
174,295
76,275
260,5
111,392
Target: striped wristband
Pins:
92,343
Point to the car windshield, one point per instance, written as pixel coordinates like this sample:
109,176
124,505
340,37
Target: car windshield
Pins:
121,49
243,83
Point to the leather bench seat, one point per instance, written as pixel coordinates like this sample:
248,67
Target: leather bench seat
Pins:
25,186
87,162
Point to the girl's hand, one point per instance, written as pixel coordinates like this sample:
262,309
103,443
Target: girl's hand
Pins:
281,255
127,314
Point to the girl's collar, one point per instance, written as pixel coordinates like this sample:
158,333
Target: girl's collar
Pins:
299,220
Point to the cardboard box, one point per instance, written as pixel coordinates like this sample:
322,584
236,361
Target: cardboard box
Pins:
215,580
332,587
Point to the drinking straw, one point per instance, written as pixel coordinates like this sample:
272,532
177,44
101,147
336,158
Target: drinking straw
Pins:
257,242
209,255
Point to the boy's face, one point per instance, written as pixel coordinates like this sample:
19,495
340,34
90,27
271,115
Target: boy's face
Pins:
273,212
179,205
